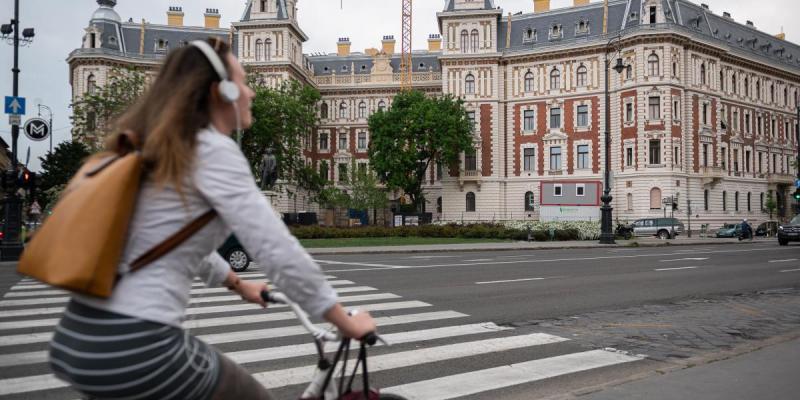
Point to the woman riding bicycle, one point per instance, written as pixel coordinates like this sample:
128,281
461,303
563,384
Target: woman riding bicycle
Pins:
131,345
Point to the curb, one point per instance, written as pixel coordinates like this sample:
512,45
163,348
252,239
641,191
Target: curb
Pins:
404,249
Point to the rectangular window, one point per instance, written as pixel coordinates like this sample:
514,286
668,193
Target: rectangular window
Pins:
342,141
471,118
705,155
735,160
629,112
705,114
558,190
629,156
323,141
724,158
529,120
747,161
760,162
583,116
675,110
342,172
785,130
676,156
471,160
555,118
528,159
655,108
736,120
362,140
652,15
555,158
580,190
583,156
655,152
323,170
747,123
760,124
774,163
772,131
362,169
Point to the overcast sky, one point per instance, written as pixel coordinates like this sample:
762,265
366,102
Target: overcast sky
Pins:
59,27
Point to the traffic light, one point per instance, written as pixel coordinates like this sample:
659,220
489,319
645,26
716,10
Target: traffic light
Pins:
674,206
797,194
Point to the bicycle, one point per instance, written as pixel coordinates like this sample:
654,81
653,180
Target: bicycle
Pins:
321,387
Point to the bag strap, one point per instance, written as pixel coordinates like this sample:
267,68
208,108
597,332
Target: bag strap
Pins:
173,241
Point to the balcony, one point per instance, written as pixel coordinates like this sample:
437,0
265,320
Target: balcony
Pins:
712,175
780,179
470,176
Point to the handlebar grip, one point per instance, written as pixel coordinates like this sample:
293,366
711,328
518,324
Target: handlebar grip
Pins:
266,296
370,338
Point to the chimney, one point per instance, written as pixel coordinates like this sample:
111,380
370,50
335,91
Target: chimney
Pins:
750,24
434,42
727,15
343,47
579,3
212,18
388,44
704,5
781,36
541,6
175,16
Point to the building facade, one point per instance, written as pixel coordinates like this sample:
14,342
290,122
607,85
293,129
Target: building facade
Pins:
703,112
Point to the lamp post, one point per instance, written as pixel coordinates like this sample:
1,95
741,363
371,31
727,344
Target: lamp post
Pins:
11,248
50,114
606,231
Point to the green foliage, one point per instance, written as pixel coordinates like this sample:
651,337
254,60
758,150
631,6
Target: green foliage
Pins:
58,167
365,191
93,113
283,120
770,205
414,134
476,231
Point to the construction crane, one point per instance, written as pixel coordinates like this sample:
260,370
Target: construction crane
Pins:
405,60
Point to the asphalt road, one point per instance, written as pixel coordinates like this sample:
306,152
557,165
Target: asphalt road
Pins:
507,287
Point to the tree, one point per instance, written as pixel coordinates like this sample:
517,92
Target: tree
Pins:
770,205
414,134
365,192
93,113
58,167
283,120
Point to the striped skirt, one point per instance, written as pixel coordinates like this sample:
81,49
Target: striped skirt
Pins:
112,356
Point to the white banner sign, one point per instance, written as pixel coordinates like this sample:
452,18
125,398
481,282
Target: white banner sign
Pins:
569,213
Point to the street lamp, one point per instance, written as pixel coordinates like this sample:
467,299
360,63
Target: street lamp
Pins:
11,248
606,231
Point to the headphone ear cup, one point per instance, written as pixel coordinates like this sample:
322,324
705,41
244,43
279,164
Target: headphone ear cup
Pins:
229,91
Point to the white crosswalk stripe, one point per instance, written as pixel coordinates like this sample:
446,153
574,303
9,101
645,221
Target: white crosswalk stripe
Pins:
422,337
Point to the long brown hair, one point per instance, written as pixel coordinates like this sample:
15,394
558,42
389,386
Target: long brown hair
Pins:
167,117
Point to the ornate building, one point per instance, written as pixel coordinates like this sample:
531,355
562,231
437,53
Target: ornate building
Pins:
704,110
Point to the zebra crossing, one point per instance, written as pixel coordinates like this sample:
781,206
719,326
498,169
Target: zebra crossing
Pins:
434,353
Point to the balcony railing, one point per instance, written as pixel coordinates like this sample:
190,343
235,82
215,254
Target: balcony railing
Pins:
780,178
358,79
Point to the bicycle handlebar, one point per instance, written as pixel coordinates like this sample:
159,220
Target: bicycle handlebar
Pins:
279,298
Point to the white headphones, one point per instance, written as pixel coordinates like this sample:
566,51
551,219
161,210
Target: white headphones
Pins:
227,89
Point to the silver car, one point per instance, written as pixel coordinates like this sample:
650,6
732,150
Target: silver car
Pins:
663,228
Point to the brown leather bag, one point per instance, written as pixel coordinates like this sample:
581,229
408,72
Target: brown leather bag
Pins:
79,246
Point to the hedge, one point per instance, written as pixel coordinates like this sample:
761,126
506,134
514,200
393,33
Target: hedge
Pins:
473,231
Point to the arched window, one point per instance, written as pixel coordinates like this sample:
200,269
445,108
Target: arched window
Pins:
555,79
529,82
381,105
702,74
630,201
343,110
736,201
529,201
470,202
655,198
267,49
259,49
705,200
629,72
91,84
652,65
469,84
323,111
465,41
474,40
581,76
362,110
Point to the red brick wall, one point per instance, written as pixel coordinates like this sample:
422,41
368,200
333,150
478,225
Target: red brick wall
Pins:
629,132
486,139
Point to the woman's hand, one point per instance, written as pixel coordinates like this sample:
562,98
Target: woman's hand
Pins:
356,326
250,291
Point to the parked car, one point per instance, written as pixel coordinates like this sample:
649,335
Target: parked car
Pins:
729,231
233,252
789,232
769,228
660,227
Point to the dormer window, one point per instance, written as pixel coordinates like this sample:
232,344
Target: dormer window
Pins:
344,68
582,28
530,35
556,32
162,45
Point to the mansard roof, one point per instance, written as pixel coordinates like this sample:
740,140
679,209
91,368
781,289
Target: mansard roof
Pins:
361,63
283,11
174,36
450,5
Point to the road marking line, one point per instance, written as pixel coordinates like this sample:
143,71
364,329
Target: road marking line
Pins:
193,291
687,259
791,270
421,257
511,280
291,376
783,261
479,260
674,269
454,386
282,352
357,264
235,320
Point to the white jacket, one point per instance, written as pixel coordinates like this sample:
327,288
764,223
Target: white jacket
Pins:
221,180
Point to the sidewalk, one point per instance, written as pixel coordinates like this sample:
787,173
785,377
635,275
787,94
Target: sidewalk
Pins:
768,373
518,246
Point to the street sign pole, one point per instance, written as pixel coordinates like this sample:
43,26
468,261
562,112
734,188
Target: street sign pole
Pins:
11,248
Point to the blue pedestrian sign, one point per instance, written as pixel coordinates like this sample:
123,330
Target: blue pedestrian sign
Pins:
15,105
797,183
